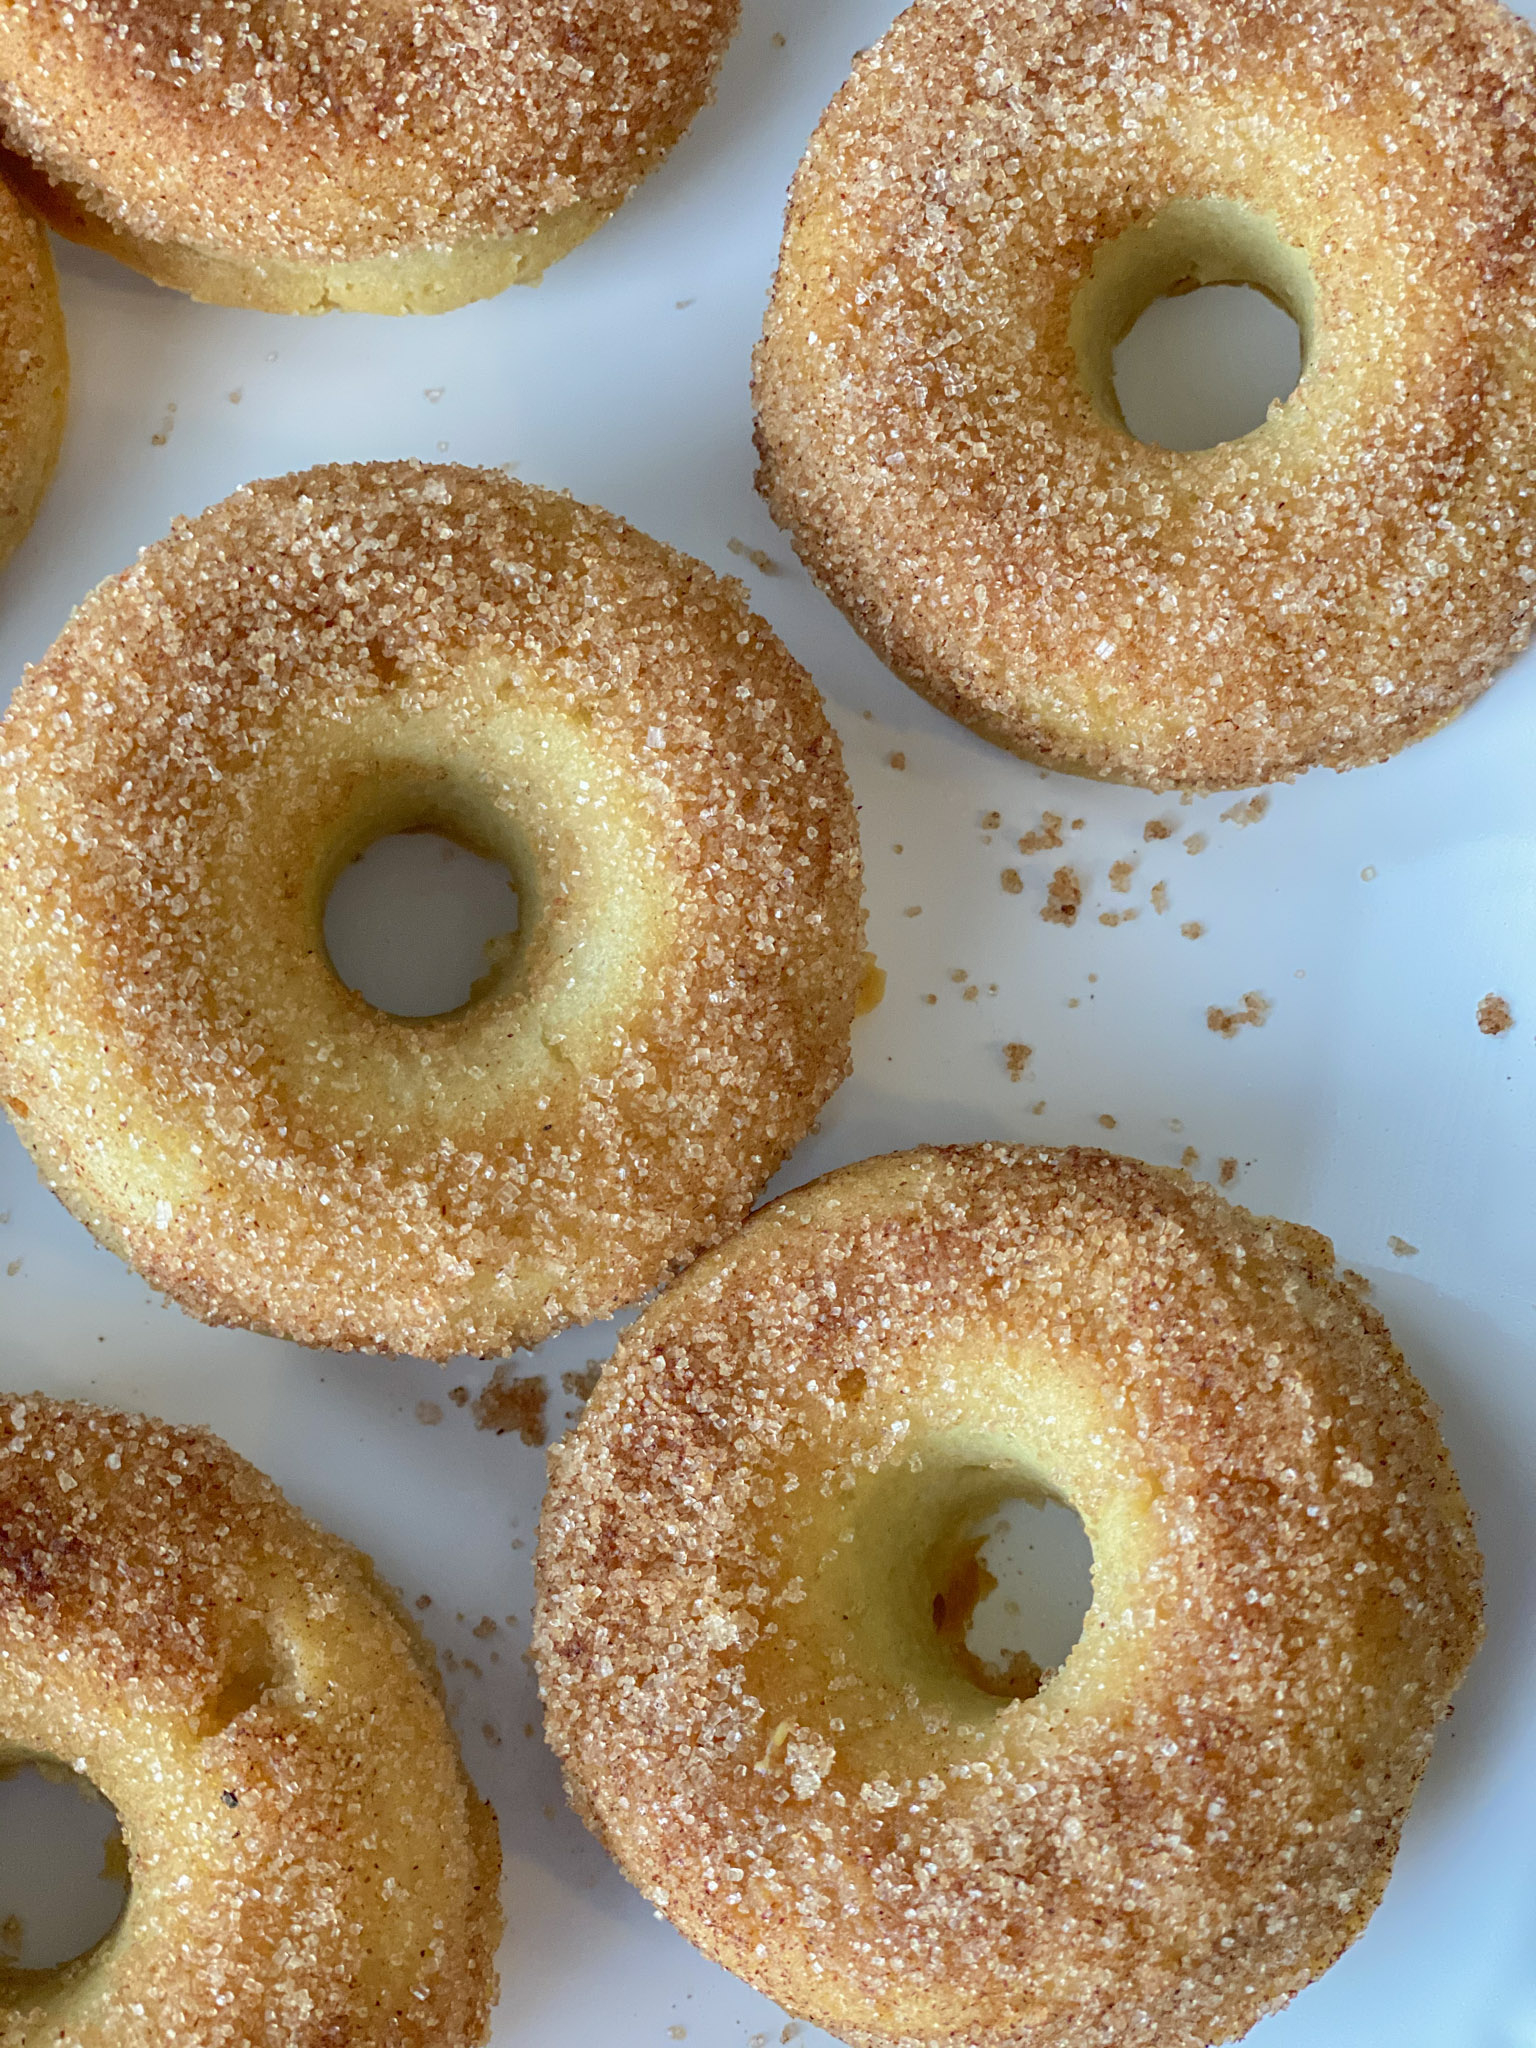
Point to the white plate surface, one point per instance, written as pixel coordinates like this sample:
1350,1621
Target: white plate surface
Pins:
1373,911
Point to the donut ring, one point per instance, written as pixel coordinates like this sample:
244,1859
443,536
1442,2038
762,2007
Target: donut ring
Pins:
354,153
988,207
332,657
34,371
744,1538
307,1859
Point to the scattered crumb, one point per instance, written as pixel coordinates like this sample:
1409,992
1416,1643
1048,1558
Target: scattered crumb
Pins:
1037,1109
236,396
871,987
423,1602
1074,1002
681,2033
1400,1248
971,994
1108,1122
959,974
898,762
1109,917
1160,897
1013,882
991,821
12,1935
459,1396
167,426
1193,930
1228,1023
1367,874
1227,1172
1196,843
491,1733
581,1383
898,847
755,556
1186,797
1078,824
429,1412
1158,828
1189,1158
1016,1058
513,1404
930,999
682,306
1063,899
913,910
13,1269
484,1628
778,39
1494,1017
1175,1123
792,2032
1120,875
1047,839
1247,814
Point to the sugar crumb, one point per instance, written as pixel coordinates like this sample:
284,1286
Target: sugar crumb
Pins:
1193,930
429,1412
1012,881
1227,1023
1063,899
507,1404
1016,1058
1400,1248
1047,839
1248,813
1494,1017
756,556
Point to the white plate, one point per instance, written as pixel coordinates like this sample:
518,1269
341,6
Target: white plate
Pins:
1373,910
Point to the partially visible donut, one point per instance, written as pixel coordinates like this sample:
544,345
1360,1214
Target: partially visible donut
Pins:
307,1860
755,1695
382,157
352,652
987,208
34,371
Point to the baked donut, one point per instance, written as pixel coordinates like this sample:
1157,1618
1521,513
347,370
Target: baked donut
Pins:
351,153
307,1860
986,210
333,657
34,371
751,1682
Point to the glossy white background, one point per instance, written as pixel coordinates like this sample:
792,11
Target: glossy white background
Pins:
1369,1105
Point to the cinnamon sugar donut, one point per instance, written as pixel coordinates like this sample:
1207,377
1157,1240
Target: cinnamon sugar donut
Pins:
351,153
310,666
986,210
34,371
747,1537
307,1860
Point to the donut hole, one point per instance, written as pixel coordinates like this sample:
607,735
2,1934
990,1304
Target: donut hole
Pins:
63,1872
417,921
1012,1598
1193,326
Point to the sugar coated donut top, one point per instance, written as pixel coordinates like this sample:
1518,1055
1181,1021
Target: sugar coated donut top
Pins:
988,206
34,370
307,1860
348,129
319,662
743,1537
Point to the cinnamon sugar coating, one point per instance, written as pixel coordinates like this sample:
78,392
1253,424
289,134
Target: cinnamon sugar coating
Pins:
34,371
356,153
307,1859
736,1629
313,664
987,207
